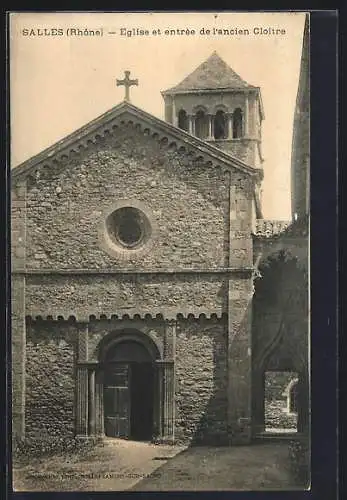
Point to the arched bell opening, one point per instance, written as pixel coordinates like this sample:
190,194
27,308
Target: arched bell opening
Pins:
201,124
183,122
220,125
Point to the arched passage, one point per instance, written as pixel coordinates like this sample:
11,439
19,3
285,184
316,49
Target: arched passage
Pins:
280,332
129,386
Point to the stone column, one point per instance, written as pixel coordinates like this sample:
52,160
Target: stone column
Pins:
167,400
82,401
229,125
91,401
190,124
99,403
159,414
167,383
82,383
174,113
210,126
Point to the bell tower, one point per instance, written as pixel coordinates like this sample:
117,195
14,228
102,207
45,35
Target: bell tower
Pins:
218,106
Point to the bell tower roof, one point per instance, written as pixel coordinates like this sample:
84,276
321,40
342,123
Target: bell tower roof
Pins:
212,74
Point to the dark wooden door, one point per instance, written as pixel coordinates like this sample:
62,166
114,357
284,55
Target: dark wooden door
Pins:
117,400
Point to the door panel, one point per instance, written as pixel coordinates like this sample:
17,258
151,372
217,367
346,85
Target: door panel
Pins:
142,401
117,401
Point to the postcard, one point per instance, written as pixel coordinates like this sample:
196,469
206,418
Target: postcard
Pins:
160,210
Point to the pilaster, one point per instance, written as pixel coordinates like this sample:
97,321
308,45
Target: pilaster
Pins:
82,382
229,125
254,127
191,124
240,293
170,340
99,403
91,401
246,116
210,127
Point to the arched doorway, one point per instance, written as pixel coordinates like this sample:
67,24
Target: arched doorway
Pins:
280,335
129,389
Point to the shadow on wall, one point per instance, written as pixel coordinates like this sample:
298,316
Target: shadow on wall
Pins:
214,427
201,381
204,403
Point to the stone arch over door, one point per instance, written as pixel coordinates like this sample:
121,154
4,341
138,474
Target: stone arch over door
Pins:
129,365
291,396
122,335
280,332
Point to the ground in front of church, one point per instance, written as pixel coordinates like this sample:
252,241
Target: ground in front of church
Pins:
118,465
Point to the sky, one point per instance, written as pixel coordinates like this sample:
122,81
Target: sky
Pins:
59,83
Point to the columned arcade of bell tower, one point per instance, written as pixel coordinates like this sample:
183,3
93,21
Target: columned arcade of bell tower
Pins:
217,105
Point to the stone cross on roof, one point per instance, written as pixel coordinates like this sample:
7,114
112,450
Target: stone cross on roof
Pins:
127,82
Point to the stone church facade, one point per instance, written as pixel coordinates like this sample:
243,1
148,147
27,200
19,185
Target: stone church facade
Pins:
137,249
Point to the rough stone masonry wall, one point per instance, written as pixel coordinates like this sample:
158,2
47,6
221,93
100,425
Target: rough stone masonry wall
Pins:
18,230
244,149
190,206
50,381
82,296
201,382
188,201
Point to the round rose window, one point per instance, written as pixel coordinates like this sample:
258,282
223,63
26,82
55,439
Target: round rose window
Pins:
128,227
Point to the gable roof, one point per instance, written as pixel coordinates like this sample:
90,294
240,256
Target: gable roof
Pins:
212,74
127,112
